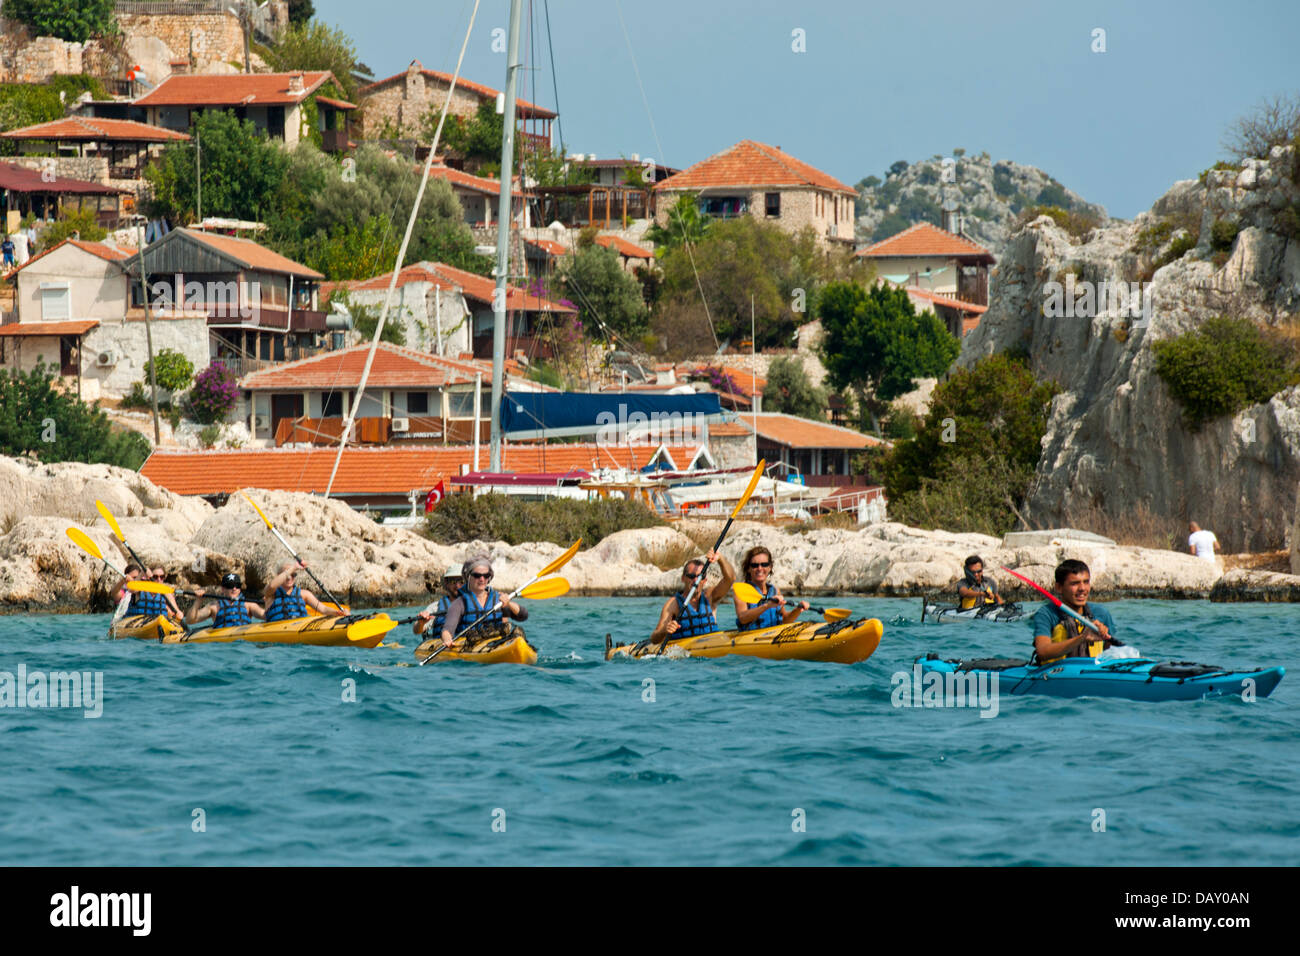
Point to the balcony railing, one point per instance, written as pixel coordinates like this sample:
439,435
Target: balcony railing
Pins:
379,431
533,346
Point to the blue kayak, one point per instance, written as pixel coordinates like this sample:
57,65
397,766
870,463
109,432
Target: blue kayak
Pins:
1131,678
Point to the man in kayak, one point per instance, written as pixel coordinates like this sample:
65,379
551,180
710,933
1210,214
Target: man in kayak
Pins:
231,610
756,566
285,600
478,603
679,619
974,589
1057,634
452,581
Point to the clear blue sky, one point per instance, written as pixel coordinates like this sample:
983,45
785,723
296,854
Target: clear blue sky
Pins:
880,81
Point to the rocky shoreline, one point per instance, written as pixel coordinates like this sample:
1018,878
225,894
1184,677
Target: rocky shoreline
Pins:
371,565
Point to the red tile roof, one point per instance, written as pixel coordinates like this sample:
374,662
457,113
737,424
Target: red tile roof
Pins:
485,92
752,164
394,367
233,89
624,248
947,300
337,104
795,432
251,254
95,128
729,430
372,471
23,180
473,286
78,327
924,239
107,253
550,245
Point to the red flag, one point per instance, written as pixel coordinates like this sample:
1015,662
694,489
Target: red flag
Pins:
435,495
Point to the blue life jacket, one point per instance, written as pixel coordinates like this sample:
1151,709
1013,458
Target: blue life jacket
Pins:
440,616
769,618
232,613
694,621
474,611
148,604
286,605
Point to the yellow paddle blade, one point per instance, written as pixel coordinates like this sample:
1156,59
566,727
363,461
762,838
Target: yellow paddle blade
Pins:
108,516
81,540
837,613
561,561
258,510
550,588
746,592
749,490
152,587
360,630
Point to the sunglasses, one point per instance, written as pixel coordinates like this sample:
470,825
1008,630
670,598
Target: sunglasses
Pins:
760,564
160,577
485,576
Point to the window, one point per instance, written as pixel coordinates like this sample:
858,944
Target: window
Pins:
462,404
772,204
417,403
332,405
56,301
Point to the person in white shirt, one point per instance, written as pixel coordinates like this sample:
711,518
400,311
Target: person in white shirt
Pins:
1201,543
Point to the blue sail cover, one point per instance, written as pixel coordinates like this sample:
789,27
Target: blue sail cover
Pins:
609,416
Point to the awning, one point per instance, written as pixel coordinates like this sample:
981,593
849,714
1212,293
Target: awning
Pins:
79,327
557,414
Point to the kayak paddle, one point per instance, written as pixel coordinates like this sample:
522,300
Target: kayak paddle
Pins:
117,530
157,587
749,594
1061,605
360,630
82,540
288,547
744,500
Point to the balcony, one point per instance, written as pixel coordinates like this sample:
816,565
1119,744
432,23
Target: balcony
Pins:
590,205
252,316
533,346
379,431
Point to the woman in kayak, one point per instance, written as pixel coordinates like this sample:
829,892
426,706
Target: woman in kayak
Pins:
1057,634
132,574
231,610
756,566
974,589
679,619
285,605
479,602
452,581
173,610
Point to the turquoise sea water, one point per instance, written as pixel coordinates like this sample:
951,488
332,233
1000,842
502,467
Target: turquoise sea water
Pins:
580,768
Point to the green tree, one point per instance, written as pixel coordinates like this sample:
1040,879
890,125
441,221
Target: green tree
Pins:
605,295
790,390
686,224
1223,366
875,343
175,371
75,20
550,167
301,11
243,171
315,46
49,424
352,250
476,140
72,223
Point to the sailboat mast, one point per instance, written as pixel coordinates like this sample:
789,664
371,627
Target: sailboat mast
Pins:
504,219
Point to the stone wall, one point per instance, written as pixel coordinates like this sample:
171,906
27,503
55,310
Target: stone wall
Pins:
89,169
127,339
405,103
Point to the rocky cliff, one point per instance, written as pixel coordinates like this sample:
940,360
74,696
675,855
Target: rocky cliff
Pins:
1116,440
989,195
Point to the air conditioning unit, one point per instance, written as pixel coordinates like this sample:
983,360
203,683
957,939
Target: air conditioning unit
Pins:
106,358
401,424
259,421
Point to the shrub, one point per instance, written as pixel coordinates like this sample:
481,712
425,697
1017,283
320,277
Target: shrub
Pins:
209,435
1223,234
1222,367
136,398
1221,164
73,223
1075,222
1178,248
492,517
75,20
790,390
972,493
1274,122
174,370
214,395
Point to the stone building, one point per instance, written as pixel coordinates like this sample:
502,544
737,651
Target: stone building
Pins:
753,179
399,104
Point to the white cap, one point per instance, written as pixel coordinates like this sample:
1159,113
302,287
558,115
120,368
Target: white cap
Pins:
453,571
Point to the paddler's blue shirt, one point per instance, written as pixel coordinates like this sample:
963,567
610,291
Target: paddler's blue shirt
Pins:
1048,617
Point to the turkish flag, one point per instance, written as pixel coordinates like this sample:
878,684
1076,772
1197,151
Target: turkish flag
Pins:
435,495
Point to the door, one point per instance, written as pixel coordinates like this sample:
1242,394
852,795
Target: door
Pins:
284,406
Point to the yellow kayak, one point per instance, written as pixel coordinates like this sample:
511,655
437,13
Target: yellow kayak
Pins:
145,627
497,647
843,642
316,631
